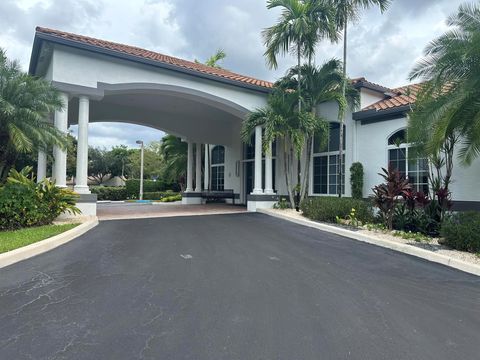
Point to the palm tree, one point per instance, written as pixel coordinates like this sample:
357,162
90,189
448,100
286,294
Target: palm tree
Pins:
320,84
281,121
301,26
213,60
447,111
25,104
174,152
348,10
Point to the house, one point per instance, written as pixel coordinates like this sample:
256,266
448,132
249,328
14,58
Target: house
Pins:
104,81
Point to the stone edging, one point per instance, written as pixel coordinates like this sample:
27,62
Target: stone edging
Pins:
404,248
25,252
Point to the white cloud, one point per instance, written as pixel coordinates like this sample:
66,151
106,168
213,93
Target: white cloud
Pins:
382,48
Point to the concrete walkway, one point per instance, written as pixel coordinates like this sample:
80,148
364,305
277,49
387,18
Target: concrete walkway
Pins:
124,210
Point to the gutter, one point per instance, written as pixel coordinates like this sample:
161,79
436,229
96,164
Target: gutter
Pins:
370,116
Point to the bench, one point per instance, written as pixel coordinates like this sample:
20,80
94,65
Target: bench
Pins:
217,195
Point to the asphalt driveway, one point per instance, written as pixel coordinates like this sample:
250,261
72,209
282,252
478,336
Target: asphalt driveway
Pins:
239,286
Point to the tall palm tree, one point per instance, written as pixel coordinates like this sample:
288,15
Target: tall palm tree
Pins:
25,104
301,26
447,111
174,153
346,11
282,122
320,84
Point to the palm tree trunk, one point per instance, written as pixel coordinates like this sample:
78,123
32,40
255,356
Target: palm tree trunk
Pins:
344,88
299,165
287,169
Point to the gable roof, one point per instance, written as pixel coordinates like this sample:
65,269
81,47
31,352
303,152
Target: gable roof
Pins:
145,56
402,96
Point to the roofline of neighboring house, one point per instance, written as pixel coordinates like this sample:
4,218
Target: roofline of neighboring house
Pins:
363,83
40,37
373,115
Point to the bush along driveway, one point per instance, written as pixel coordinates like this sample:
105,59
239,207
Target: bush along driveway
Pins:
238,286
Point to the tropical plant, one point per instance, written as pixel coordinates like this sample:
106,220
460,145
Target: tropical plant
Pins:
462,231
301,26
320,84
447,110
25,203
213,60
347,11
356,180
388,194
174,154
26,103
281,121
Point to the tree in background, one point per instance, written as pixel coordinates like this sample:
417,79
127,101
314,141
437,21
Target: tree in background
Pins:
26,103
153,164
346,11
213,60
174,154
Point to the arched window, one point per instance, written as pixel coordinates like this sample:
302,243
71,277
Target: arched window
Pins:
218,168
416,169
326,163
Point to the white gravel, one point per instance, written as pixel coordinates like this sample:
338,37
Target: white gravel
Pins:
432,245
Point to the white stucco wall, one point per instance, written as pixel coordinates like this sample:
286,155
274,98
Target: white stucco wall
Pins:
369,97
85,68
373,154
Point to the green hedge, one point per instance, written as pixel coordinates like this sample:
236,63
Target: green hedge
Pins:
133,187
172,198
158,195
328,208
462,231
113,193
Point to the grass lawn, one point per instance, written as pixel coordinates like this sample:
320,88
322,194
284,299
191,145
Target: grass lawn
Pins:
10,240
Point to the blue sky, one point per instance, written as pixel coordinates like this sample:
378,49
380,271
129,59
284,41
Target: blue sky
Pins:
382,48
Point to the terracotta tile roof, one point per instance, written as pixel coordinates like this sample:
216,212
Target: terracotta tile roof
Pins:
362,82
161,58
402,96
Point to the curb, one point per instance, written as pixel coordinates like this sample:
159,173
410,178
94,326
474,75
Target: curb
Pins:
42,246
403,248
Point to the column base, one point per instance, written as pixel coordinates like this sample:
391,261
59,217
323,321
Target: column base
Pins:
192,198
81,189
269,192
263,201
257,192
86,203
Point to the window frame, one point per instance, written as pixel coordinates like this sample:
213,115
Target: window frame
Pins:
217,166
408,162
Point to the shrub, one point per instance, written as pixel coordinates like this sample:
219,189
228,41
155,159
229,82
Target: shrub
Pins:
386,195
462,231
172,198
133,187
356,180
158,195
329,208
24,203
113,193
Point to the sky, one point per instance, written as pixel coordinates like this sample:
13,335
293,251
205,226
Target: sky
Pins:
382,47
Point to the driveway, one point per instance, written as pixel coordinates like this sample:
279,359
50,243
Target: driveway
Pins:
238,286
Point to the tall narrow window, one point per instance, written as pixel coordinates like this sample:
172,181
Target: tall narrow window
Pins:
218,168
415,169
326,164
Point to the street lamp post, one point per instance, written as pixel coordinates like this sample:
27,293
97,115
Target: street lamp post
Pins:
140,142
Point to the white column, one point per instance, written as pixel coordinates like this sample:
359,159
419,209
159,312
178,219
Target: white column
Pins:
198,168
81,185
189,167
206,168
59,154
41,166
268,171
257,187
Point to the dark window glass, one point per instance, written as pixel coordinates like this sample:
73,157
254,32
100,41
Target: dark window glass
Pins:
398,159
218,178
400,137
218,155
333,143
